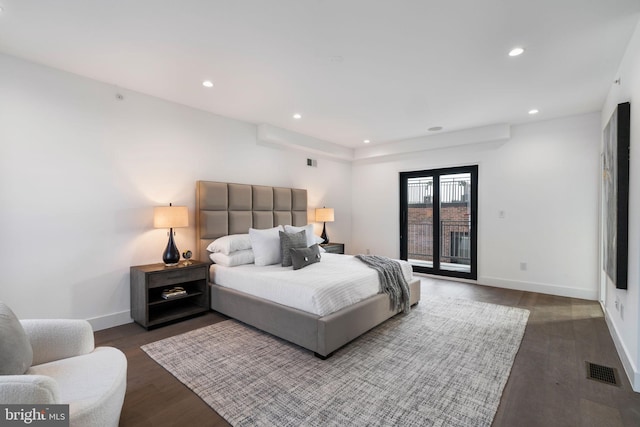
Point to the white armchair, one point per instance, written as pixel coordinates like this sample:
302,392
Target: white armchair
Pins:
65,368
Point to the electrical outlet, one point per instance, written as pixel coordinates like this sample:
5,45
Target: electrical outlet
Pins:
523,266
501,214
617,303
368,252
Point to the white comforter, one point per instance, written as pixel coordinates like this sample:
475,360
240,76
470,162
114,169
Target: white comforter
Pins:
335,282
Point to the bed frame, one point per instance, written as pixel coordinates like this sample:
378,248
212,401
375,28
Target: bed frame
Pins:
225,208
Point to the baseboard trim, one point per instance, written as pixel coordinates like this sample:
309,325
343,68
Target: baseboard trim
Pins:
627,363
110,320
542,288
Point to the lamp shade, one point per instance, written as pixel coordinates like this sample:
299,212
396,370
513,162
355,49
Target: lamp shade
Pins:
170,217
324,215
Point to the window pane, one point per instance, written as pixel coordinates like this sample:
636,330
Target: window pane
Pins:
420,221
455,222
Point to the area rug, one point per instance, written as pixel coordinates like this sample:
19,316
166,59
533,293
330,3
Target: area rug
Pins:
444,364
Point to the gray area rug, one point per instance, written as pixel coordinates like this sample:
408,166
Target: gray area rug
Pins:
444,364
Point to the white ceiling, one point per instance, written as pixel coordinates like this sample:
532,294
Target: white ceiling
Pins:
355,69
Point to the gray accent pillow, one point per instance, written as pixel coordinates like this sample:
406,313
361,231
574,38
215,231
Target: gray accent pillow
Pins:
305,256
16,354
289,241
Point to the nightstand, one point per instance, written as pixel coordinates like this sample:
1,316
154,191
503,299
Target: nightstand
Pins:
334,248
147,282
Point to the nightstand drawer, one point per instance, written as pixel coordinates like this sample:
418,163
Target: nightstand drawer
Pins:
168,278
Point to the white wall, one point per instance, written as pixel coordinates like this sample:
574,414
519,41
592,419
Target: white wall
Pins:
545,179
81,171
625,325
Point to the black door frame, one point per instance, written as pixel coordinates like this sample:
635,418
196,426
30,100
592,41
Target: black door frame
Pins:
404,214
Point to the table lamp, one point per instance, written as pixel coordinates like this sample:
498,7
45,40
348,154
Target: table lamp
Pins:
324,215
170,217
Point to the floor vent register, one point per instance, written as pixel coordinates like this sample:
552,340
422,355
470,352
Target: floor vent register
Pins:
604,374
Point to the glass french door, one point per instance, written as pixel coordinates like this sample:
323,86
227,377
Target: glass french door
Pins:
438,221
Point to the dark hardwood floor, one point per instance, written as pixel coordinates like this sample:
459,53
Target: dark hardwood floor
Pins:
547,385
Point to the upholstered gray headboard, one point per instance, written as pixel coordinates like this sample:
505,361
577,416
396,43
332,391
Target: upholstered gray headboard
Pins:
223,208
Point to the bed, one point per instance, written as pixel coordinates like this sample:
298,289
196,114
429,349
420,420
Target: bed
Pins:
226,208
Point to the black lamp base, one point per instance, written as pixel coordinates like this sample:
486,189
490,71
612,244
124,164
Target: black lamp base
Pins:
324,233
171,255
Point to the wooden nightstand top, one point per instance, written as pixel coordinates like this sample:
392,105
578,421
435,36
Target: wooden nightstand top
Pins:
152,268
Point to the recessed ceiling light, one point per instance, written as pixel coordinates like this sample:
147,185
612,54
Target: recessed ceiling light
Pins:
435,129
534,111
297,116
366,141
516,51
207,83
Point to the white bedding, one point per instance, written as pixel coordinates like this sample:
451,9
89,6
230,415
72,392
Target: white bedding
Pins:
337,281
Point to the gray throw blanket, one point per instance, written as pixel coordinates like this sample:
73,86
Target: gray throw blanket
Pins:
392,280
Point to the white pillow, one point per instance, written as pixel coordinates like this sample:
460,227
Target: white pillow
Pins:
266,245
16,353
311,238
234,258
231,243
